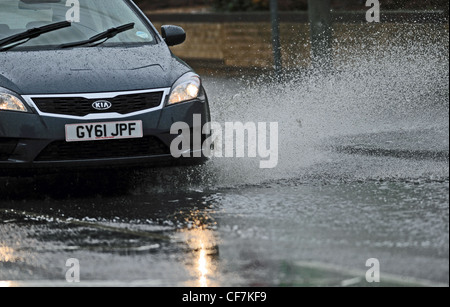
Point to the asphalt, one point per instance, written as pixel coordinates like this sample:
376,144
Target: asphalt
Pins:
424,144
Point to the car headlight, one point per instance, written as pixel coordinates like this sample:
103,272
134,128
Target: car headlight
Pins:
185,89
10,102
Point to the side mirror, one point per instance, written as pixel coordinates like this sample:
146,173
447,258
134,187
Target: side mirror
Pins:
173,35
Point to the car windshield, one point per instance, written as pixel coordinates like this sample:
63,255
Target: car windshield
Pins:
88,18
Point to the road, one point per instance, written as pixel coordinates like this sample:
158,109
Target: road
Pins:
361,175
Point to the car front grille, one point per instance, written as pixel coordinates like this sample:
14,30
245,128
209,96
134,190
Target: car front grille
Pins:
110,149
79,106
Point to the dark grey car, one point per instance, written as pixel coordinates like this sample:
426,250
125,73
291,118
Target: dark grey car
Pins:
90,84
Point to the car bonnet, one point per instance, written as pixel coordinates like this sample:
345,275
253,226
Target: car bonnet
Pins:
89,70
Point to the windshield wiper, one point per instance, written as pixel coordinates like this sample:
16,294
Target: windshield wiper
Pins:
103,37
23,37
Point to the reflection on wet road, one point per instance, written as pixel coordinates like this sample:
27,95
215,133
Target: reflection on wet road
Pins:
124,238
278,233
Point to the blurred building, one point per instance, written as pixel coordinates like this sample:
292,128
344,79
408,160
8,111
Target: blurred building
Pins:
288,5
224,41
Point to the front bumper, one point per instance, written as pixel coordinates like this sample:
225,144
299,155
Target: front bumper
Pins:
32,143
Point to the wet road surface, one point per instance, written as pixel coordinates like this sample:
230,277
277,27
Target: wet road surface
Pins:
290,232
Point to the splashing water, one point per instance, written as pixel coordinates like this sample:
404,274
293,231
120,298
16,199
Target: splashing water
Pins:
390,88
400,85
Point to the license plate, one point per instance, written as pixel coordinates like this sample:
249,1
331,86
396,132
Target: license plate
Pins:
104,131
